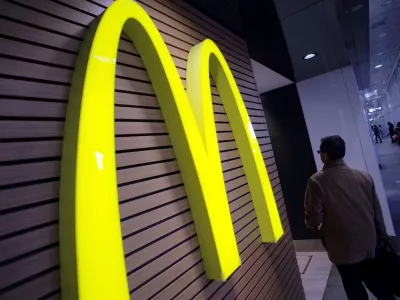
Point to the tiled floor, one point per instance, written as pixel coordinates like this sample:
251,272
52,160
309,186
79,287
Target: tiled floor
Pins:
321,280
315,268
334,288
303,261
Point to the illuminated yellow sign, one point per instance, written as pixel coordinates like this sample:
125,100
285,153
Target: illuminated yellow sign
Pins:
92,257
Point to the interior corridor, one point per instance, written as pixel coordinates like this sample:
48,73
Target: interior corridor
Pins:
389,158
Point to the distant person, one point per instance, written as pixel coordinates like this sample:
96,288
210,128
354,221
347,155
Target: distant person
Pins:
342,203
397,131
392,132
377,134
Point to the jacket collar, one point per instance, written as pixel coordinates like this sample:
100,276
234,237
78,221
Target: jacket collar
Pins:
335,163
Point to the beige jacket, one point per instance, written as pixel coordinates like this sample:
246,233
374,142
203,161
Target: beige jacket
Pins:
344,201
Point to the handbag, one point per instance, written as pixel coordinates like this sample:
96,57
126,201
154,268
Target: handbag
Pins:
388,262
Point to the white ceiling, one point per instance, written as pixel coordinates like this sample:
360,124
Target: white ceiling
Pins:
384,41
267,79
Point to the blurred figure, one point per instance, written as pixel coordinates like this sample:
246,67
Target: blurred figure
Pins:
392,132
397,130
377,134
342,203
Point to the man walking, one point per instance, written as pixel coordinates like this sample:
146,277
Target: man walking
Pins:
342,203
377,134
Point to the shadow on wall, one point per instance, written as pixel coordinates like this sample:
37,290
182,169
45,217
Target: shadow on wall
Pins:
293,152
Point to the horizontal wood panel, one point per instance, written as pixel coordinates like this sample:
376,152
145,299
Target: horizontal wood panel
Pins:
161,15
21,220
28,172
58,91
167,24
173,287
202,289
28,242
205,22
262,276
132,111
31,265
29,194
146,203
129,65
188,269
37,287
11,28
262,258
77,31
61,74
182,19
140,258
39,43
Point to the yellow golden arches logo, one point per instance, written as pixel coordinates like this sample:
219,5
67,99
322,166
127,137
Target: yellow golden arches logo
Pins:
92,257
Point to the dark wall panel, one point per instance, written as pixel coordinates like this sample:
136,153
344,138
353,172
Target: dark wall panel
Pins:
293,153
263,33
258,23
39,42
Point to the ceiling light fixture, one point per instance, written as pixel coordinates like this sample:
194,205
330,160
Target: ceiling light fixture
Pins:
378,66
309,56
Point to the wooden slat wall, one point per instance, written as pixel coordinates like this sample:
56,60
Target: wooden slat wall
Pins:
39,42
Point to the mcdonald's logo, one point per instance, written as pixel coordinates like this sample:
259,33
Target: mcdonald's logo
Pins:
92,257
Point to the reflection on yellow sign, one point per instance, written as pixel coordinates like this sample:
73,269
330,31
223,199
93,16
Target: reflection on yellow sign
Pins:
92,257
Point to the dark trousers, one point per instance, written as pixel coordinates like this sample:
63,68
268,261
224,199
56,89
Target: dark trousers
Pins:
353,277
377,136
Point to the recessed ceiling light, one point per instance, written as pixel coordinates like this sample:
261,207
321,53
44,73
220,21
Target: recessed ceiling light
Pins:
309,56
378,66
